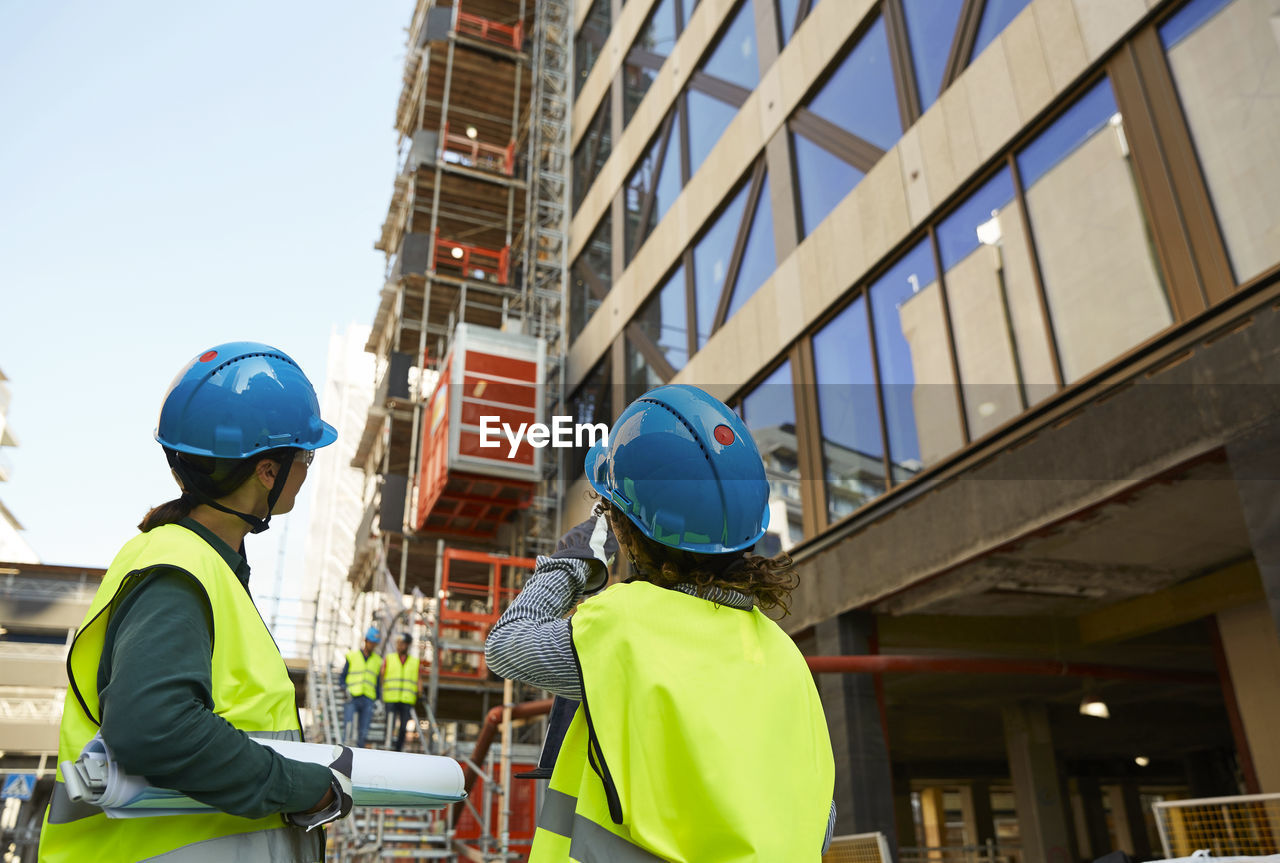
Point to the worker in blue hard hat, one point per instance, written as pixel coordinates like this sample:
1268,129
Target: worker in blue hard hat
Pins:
699,734
173,666
362,674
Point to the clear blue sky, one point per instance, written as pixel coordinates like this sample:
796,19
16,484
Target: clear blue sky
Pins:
172,176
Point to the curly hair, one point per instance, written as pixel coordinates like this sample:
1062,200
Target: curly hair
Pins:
767,580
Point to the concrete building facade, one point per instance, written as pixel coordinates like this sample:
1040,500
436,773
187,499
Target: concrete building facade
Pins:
995,285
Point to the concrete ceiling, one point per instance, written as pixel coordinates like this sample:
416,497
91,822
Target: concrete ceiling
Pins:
1160,533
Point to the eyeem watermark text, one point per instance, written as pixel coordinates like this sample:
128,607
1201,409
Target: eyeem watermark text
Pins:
563,432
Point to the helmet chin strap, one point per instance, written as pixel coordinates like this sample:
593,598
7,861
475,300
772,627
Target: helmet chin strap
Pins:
256,525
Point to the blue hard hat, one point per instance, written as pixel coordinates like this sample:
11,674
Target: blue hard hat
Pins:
239,399
685,470
373,635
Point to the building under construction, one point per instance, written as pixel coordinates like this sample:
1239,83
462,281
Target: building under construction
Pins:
994,284
468,323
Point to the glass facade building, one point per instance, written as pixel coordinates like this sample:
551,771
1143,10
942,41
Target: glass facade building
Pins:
910,241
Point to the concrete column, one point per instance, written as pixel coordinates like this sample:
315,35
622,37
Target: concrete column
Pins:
1126,815
1091,832
904,816
934,815
1042,813
975,808
1255,464
1252,651
864,783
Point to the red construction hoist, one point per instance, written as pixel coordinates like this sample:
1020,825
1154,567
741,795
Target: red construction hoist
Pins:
475,588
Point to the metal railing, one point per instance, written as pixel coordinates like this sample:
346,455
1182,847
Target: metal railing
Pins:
988,853
858,848
1247,825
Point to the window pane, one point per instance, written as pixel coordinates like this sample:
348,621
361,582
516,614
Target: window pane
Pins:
1001,343
593,151
686,10
711,263
655,41
592,403
589,42
823,180
1104,290
931,27
592,276
860,97
852,448
665,186
758,261
1225,59
995,17
787,12
915,364
734,57
770,413
708,118
662,321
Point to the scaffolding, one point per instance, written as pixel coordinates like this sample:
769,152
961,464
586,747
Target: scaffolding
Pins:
475,233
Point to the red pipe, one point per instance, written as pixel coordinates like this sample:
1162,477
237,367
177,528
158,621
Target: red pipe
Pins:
491,722
879,664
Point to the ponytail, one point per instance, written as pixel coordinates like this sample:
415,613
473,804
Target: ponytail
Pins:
169,512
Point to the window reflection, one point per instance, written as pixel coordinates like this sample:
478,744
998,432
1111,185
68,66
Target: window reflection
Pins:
822,181
686,11
860,96
1104,290
708,118
590,41
592,276
734,57
852,448
931,27
711,257
996,15
653,186
593,151
652,45
914,355
1225,61
591,403
790,14
758,259
770,413
1002,350
659,336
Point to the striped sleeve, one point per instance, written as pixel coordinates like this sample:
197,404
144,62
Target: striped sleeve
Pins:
531,642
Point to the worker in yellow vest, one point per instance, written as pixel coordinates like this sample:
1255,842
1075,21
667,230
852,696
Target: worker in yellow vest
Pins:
362,674
400,687
699,736
239,426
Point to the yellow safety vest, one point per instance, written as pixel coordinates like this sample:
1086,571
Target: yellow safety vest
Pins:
400,680
701,739
251,690
362,674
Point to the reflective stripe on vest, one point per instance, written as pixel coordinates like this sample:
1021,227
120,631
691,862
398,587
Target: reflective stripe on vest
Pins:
400,680
251,690
362,674
743,686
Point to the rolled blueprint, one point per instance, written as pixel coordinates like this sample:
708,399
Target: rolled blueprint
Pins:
378,778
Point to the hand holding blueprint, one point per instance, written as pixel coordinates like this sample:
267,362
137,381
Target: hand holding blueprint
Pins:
378,778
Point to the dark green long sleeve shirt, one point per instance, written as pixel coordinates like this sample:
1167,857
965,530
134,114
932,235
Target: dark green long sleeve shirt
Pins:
156,690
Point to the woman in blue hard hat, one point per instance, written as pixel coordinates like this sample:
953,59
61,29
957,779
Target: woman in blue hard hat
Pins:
699,737
173,666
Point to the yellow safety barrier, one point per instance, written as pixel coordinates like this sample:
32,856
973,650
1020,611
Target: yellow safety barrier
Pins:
1248,825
